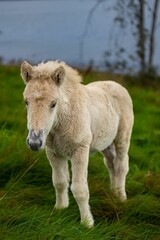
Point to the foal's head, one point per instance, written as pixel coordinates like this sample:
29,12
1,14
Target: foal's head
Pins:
41,97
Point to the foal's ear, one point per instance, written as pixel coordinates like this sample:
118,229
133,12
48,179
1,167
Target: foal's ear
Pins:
58,75
26,71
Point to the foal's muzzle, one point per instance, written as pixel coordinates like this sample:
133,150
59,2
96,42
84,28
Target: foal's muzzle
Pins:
34,140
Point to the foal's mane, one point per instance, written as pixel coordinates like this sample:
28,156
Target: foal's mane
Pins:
45,70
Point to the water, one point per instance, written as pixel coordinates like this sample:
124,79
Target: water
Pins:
42,30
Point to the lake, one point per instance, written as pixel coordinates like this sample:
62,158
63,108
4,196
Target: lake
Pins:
42,30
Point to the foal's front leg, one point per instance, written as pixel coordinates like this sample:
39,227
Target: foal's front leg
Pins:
60,178
79,185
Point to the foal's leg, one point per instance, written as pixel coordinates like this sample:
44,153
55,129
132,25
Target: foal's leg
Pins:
116,159
60,178
79,185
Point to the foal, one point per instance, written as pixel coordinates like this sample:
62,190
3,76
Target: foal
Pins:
68,119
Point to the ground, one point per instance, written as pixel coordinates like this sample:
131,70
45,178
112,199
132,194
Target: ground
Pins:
26,192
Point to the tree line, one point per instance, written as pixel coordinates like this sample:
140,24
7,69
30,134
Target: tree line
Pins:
133,13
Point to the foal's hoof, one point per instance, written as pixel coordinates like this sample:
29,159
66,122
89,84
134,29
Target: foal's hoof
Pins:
120,195
89,223
60,206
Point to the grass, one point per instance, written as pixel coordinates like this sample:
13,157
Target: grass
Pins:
27,195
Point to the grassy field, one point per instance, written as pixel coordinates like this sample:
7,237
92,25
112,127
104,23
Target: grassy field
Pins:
27,195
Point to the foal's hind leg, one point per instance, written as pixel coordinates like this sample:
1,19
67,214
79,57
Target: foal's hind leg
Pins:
116,160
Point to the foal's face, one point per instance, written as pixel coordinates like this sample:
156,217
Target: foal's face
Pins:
41,98
41,101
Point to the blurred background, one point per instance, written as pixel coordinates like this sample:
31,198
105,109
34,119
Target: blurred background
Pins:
104,39
115,35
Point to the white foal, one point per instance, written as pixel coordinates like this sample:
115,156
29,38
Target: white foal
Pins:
68,119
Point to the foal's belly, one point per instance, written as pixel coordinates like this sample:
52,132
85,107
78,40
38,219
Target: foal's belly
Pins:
100,143
104,134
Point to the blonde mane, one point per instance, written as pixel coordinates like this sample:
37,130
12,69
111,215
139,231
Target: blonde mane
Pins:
45,70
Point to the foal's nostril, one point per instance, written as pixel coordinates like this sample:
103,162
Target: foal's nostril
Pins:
35,146
34,140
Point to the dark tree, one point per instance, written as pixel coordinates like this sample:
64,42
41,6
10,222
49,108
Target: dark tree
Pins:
132,13
152,33
141,35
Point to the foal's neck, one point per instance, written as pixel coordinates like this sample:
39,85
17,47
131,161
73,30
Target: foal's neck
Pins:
67,107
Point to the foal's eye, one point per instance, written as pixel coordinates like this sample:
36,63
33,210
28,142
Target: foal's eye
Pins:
26,102
53,104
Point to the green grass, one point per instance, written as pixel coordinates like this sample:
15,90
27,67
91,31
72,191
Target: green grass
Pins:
27,195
